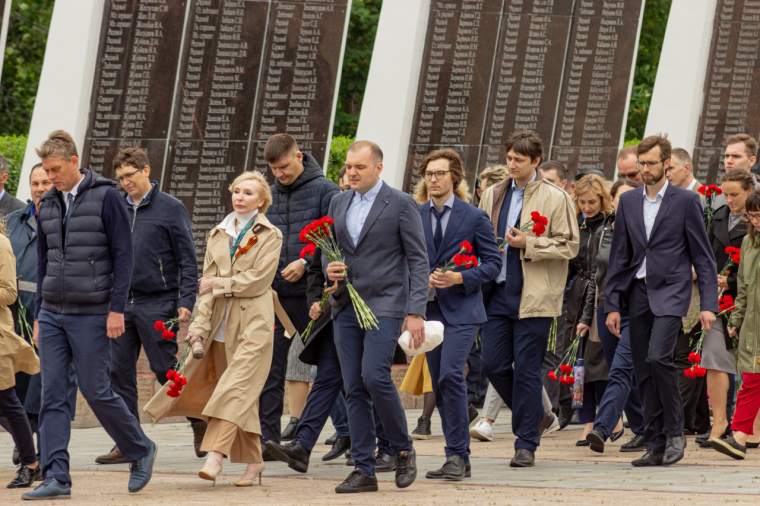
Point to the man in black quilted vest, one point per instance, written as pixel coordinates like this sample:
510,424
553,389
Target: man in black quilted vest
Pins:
84,268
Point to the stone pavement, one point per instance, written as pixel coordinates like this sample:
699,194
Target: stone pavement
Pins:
563,473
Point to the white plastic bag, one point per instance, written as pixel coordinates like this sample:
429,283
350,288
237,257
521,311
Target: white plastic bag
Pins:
433,337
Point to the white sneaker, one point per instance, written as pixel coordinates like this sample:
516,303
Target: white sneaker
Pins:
482,431
554,426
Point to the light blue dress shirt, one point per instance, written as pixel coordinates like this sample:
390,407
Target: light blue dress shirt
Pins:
515,209
357,212
132,202
651,207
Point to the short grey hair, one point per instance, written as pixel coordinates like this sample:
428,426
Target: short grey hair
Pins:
3,165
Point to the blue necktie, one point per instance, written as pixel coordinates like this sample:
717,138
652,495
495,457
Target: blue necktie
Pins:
68,212
438,236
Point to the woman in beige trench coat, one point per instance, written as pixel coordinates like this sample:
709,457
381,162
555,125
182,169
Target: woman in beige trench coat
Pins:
235,322
15,355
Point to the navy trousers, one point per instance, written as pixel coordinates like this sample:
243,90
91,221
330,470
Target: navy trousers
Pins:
81,339
513,350
653,341
322,397
366,357
446,364
622,394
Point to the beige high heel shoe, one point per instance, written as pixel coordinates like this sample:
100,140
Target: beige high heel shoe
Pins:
249,483
208,475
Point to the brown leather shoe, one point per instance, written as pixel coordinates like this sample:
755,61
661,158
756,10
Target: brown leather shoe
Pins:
523,458
115,457
199,431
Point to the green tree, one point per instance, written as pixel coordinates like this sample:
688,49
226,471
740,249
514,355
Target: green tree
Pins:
650,46
338,149
13,148
24,52
362,28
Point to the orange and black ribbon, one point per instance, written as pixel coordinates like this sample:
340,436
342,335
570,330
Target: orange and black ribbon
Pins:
243,249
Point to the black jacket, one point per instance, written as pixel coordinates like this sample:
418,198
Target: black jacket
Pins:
166,267
293,207
720,239
87,268
601,251
322,331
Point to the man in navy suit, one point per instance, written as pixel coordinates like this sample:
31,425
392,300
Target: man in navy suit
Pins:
659,234
455,297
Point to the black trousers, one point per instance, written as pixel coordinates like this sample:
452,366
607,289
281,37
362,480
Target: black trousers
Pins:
477,383
18,425
653,343
696,409
273,394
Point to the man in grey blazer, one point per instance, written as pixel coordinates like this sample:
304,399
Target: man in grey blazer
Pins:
380,234
8,203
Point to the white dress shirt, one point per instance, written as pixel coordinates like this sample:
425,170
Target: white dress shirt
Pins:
651,207
444,221
359,209
73,193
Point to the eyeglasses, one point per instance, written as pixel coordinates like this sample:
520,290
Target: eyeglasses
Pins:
631,176
439,174
128,176
753,216
644,165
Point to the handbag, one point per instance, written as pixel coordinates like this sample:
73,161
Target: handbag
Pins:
593,332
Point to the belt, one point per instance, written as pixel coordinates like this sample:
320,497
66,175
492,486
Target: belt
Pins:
642,280
290,329
27,286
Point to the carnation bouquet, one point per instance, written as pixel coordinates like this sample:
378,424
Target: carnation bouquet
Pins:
727,305
319,234
734,258
461,259
710,192
565,367
537,225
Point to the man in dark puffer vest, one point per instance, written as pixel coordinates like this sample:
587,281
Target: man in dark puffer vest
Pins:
300,195
85,261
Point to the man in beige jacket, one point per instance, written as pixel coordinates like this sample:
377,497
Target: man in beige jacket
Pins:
527,294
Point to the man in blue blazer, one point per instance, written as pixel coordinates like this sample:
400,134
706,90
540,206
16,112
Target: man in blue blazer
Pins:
379,232
659,235
455,298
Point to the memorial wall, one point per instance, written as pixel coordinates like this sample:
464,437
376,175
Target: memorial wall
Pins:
202,84
490,67
732,85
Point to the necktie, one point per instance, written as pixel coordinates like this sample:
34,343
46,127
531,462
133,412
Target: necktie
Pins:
68,212
438,236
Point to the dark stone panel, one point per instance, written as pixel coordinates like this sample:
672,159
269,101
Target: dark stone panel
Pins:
300,70
596,79
731,86
540,7
135,72
199,174
526,81
100,153
603,159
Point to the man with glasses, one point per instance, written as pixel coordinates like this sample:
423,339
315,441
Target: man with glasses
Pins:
164,284
626,164
659,235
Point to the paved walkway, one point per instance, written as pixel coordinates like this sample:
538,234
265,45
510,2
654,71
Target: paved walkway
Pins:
563,473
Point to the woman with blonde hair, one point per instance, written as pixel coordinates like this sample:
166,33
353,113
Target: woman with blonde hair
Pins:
235,323
593,208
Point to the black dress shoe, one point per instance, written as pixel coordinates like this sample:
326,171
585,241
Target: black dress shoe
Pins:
523,458
406,468
384,463
617,435
422,431
331,440
636,444
689,432
650,458
473,414
199,432
454,469
25,477
595,439
674,450
349,458
357,481
339,448
565,416
729,447
752,445
16,457
581,442
702,438
266,456
290,429
292,454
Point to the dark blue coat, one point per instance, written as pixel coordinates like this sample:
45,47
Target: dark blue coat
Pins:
678,240
463,304
23,239
293,207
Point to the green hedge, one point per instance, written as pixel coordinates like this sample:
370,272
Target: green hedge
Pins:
12,148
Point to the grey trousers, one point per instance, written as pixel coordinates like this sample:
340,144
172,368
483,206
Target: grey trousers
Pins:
492,404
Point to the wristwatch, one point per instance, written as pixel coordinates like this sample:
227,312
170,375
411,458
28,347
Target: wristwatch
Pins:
305,264
418,316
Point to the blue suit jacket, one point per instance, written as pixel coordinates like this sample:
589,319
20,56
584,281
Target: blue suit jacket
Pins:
463,304
678,240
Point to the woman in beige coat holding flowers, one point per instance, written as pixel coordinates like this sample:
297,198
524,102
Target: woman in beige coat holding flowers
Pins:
235,323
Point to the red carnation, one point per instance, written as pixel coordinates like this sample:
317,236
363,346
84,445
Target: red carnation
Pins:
474,260
700,371
538,229
689,373
726,303
694,358
308,251
702,190
159,326
544,220
458,260
734,253
535,216
172,393
570,380
567,369
552,375
167,334
171,374
466,246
